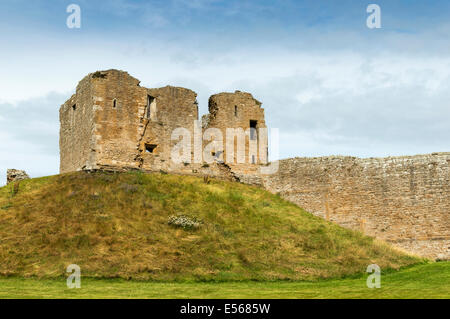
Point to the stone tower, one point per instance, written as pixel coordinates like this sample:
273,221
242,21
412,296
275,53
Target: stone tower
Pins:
111,122
239,110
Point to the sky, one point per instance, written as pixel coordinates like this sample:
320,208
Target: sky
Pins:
331,85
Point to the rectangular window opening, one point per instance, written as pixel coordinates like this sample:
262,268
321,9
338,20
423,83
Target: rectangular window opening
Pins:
253,124
151,107
74,107
150,148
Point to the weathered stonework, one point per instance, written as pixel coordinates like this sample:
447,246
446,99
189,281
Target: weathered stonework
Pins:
113,123
239,110
15,175
403,200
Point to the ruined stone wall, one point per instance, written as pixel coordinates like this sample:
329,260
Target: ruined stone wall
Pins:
174,107
119,105
237,110
15,175
77,129
403,200
114,123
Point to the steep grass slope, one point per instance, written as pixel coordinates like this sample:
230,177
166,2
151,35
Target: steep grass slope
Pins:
116,225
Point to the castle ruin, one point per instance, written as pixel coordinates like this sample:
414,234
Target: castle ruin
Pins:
113,123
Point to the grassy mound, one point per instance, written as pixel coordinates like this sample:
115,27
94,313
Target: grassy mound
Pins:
166,227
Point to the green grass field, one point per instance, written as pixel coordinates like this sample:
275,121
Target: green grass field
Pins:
421,281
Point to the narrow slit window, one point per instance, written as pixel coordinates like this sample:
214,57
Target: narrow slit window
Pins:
235,110
74,107
253,125
151,108
150,148
114,103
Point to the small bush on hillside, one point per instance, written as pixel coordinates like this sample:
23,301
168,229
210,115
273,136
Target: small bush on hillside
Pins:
184,222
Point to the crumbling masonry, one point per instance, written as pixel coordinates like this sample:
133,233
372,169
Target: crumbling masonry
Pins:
403,200
15,175
113,123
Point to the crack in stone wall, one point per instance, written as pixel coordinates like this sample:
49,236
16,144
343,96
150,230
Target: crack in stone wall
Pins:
140,147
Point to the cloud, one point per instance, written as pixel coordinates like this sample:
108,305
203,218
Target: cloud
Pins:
29,131
331,87
360,106
333,103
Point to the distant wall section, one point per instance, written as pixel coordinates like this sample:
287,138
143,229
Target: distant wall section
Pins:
403,200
